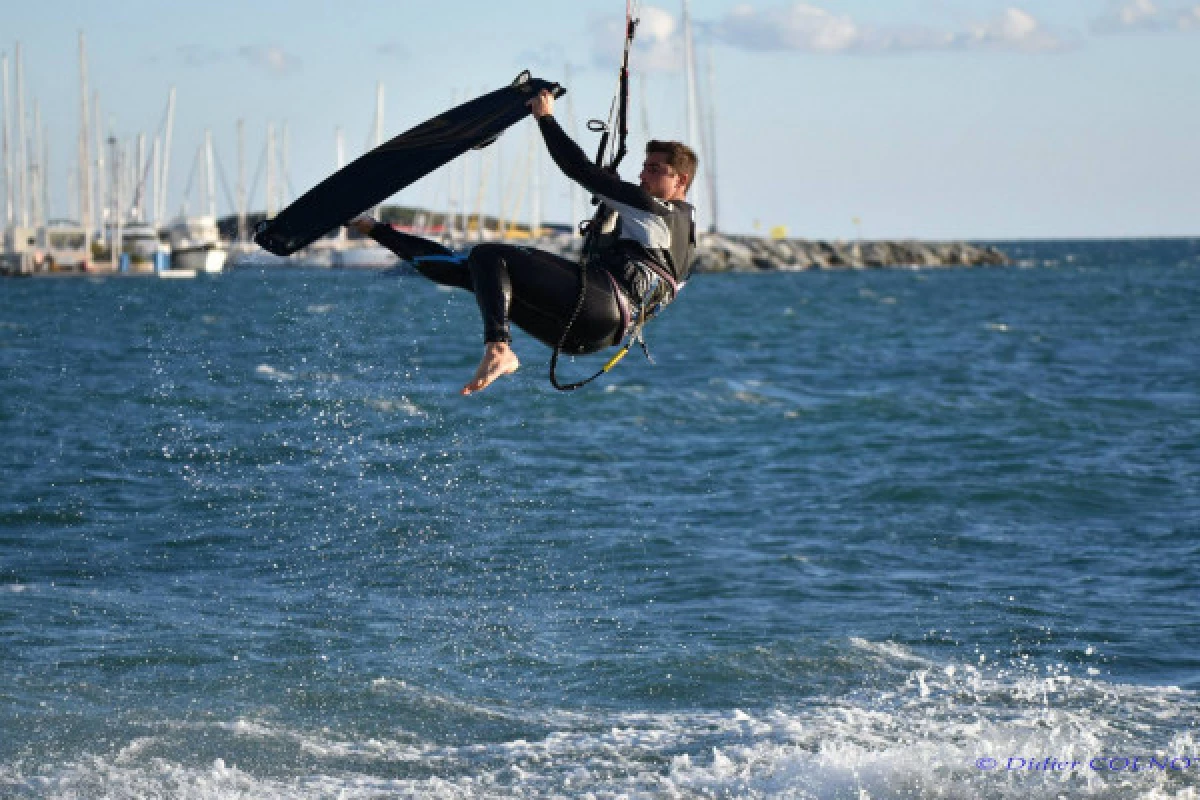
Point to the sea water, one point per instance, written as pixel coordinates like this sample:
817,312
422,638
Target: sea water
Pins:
854,535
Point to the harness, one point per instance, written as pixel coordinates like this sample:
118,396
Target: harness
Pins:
652,288
655,291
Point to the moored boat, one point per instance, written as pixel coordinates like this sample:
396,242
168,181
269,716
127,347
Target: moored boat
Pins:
196,245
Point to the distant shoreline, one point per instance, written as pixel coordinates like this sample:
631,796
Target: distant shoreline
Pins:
715,253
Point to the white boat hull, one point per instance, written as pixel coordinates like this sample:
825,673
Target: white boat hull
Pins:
364,258
209,260
177,273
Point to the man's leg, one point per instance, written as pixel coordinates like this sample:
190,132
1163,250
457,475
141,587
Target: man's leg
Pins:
489,266
429,258
538,291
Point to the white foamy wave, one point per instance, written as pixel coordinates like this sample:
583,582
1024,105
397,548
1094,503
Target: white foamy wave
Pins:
929,729
954,730
132,780
267,371
889,652
326,746
401,404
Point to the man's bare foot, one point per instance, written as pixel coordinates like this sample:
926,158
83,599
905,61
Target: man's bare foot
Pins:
498,360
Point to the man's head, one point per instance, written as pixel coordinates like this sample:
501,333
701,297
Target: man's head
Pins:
669,169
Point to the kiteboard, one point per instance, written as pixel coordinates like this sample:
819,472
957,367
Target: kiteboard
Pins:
387,169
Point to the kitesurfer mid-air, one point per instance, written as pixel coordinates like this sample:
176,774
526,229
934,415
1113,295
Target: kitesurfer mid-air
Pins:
637,255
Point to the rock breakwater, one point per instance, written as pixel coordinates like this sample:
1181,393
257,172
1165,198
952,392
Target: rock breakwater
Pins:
733,253
717,252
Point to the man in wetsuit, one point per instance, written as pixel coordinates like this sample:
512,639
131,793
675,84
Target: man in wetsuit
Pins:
638,256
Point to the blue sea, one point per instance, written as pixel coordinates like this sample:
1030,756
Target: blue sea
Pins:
872,534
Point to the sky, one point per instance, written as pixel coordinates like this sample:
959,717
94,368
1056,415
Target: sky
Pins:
833,119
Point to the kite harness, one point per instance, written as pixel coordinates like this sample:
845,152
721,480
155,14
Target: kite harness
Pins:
645,307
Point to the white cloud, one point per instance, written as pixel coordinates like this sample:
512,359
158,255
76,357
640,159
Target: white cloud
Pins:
1015,29
272,59
805,27
1138,12
657,45
1134,15
1146,16
798,27
808,28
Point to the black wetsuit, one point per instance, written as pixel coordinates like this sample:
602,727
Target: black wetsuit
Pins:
538,290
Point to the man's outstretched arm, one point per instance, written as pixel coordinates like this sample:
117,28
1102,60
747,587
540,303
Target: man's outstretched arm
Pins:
575,164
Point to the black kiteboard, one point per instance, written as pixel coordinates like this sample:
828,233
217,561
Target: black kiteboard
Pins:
387,169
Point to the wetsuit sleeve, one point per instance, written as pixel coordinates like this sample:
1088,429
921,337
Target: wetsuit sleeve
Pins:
579,168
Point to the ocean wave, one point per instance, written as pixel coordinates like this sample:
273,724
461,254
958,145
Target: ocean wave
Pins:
939,729
267,371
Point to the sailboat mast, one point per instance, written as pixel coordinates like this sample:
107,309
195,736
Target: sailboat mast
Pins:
138,174
210,178
484,165
339,157
689,70
270,209
574,131
466,182
500,199
377,135
22,164
43,135
102,189
117,217
711,142
155,184
284,165
161,211
241,187
35,170
450,218
535,201
85,158
8,165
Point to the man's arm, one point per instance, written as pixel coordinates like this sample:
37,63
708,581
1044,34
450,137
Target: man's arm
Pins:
578,167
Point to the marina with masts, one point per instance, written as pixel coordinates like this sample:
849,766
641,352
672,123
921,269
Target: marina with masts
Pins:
120,191
123,225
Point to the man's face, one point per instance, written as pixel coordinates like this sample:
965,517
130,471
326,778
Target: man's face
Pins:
660,179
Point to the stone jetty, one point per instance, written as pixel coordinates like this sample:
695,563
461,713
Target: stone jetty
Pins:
726,253
718,252
740,253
